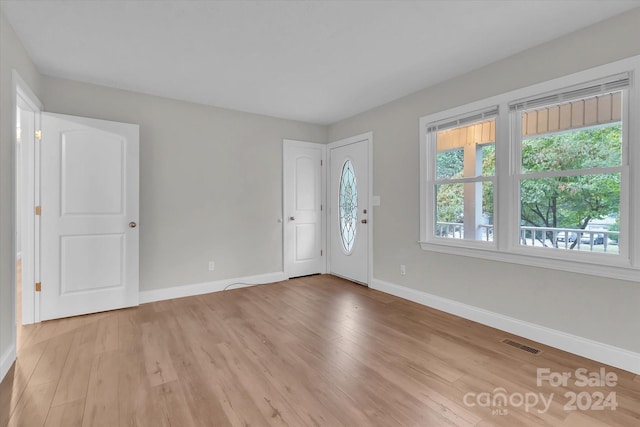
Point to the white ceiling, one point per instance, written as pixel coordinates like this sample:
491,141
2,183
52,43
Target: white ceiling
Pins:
316,61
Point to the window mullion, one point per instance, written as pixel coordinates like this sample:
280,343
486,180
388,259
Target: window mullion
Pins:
511,132
465,180
631,199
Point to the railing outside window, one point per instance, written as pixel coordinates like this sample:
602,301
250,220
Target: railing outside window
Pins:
604,241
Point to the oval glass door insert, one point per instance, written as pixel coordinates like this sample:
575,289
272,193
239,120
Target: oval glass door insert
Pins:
348,206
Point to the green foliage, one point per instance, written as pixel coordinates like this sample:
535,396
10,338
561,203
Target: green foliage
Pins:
578,149
450,199
450,164
571,202
614,227
488,169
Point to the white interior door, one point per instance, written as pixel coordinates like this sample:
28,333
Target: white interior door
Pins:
349,208
303,211
89,201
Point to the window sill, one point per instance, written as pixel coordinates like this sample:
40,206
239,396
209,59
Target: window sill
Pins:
618,268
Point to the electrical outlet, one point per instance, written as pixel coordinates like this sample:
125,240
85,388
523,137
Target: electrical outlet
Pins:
403,269
212,265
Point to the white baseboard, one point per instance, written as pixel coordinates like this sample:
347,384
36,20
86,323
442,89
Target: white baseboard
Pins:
604,353
208,287
6,361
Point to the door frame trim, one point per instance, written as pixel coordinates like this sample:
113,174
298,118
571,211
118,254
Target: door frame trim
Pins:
368,137
30,300
323,200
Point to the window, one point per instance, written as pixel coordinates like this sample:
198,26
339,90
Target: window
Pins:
539,176
571,169
463,176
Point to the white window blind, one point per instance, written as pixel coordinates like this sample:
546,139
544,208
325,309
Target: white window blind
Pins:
463,120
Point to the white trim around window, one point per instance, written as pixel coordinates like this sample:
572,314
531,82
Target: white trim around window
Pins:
506,245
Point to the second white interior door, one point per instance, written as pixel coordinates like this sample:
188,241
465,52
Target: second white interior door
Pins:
303,198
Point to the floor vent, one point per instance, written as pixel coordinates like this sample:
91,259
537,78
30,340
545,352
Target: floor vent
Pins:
521,346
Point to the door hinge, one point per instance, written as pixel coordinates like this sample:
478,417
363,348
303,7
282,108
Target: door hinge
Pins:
321,162
320,252
38,210
38,135
38,286
320,208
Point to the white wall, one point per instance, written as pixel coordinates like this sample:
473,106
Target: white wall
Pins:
12,56
600,309
210,181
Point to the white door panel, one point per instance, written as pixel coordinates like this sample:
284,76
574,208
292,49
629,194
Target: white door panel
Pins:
349,215
89,195
92,174
303,200
90,262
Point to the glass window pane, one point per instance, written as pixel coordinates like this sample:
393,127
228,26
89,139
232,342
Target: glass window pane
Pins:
592,147
450,164
577,213
450,211
466,151
488,160
485,227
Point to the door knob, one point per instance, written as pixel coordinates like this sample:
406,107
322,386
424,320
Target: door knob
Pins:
364,221
132,224
291,218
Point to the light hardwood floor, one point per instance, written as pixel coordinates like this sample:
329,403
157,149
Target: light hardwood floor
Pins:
316,351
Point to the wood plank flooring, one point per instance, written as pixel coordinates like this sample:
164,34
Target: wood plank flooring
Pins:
315,351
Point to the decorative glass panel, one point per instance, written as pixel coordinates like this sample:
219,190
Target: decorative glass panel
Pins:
348,206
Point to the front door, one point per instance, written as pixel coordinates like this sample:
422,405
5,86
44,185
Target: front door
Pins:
89,214
349,202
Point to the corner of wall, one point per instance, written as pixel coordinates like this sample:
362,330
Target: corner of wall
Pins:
6,361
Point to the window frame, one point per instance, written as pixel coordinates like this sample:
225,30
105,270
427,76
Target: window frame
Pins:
506,246
518,175
491,112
